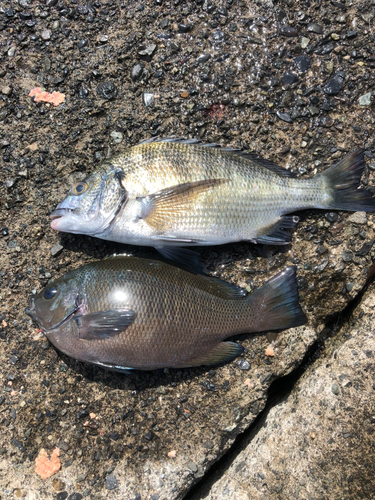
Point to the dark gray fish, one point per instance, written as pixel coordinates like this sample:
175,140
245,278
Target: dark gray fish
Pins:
126,312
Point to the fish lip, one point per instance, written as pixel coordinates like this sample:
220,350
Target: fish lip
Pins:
58,213
29,310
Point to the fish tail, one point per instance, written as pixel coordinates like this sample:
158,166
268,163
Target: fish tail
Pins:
276,303
341,183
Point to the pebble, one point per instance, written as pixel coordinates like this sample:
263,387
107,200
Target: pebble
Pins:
11,52
25,15
75,496
56,250
288,31
321,250
347,256
46,35
106,90
203,58
285,117
111,482
218,36
313,110
136,72
148,99
302,63
335,389
117,137
83,93
358,218
289,78
351,34
255,40
335,84
315,28
146,52
6,90
192,466
365,99
244,364
365,249
62,495
349,286
331,216
304,42
25,4
184,28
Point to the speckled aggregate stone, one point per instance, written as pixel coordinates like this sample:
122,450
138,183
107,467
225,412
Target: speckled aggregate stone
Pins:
101,55
319,442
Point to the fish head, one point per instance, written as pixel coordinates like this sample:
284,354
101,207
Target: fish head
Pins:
56,304
92,204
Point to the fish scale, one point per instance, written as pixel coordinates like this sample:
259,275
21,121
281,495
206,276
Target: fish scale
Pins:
137,313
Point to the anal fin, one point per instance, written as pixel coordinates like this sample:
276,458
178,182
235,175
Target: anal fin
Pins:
186,257
221,353
275,234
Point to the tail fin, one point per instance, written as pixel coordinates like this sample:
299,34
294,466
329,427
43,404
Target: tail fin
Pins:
276,303
342,180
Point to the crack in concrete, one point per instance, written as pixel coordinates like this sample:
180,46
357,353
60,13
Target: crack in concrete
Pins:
279,390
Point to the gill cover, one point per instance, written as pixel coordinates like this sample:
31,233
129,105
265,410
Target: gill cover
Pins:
54,305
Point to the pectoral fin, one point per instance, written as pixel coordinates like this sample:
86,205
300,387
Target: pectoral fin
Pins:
221,353
160,210
104,324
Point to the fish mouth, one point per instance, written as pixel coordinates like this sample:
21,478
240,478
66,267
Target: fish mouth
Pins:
30,310
58,213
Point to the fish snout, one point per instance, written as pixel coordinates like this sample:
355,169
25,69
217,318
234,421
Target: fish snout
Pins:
30,311
59,212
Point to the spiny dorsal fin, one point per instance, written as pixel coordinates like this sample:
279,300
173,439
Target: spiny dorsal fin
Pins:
249,156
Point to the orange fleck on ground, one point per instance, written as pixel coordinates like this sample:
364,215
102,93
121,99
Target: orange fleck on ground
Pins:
248,383
270,351
184,95
46,467
4,324
172,454
55,98
312,435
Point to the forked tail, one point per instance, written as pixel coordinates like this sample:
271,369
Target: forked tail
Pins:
341,183
276,303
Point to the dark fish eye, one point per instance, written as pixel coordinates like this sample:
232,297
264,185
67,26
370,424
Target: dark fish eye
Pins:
79,188
50,292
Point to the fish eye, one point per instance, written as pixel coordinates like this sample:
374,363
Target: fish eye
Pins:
79,188
50,292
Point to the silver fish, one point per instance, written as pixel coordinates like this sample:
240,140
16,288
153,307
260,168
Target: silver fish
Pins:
172,193
124,313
